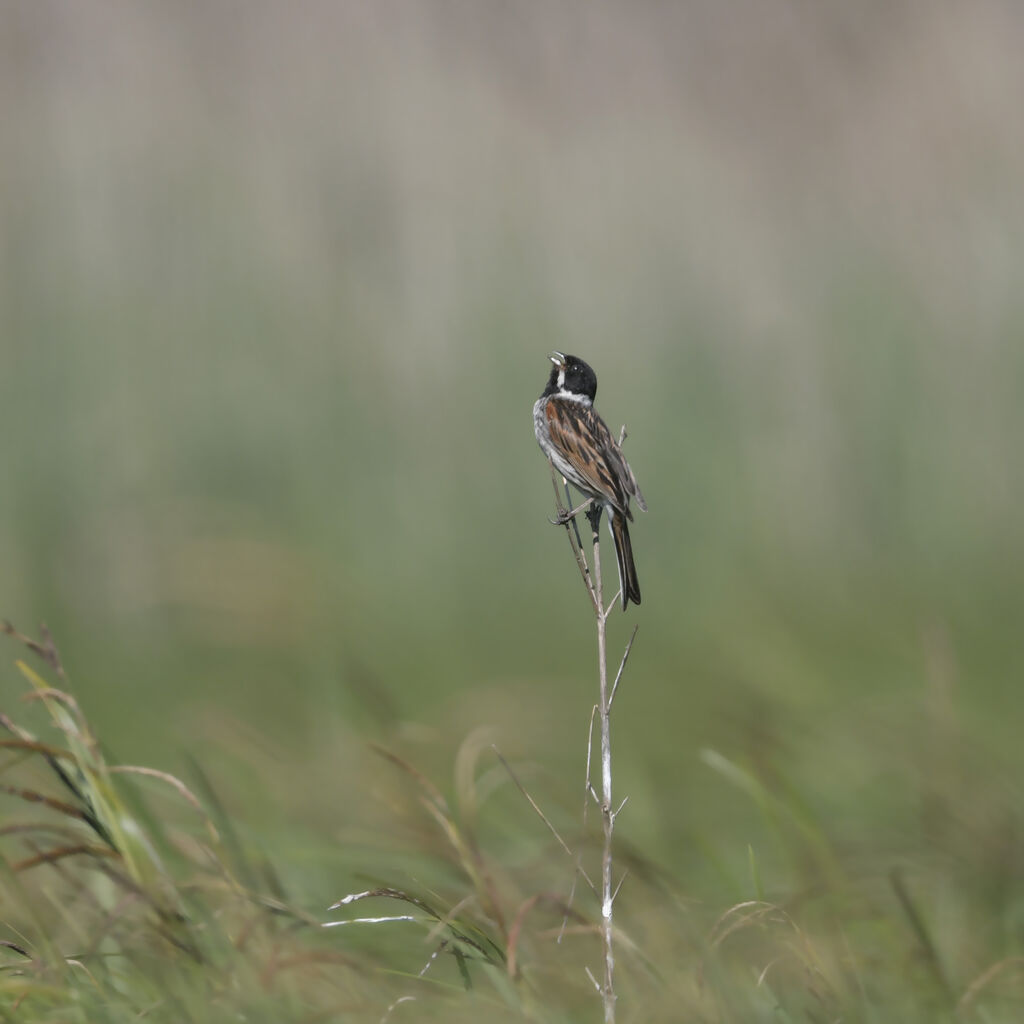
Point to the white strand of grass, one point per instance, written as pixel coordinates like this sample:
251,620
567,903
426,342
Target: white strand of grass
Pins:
373,920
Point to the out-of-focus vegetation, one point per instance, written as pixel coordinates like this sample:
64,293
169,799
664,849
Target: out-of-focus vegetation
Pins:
277,289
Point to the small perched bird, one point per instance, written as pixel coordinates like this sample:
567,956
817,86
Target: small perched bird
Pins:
580,445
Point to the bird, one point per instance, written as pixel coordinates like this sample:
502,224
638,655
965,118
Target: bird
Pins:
581,447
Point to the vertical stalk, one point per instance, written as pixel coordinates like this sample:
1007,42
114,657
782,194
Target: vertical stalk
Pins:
607,817
566,516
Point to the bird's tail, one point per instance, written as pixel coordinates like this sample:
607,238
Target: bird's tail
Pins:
628,583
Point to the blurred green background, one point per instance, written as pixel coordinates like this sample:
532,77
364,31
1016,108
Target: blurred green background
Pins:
278,287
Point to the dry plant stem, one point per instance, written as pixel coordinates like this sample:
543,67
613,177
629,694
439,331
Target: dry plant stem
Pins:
543,817
572,531
607,815
622,665
602,711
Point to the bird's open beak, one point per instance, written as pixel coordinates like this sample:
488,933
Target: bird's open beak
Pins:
557,358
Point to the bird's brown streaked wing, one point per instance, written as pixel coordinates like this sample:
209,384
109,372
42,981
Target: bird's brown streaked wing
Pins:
588,446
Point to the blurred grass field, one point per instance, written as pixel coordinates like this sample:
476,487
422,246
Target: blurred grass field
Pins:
276,298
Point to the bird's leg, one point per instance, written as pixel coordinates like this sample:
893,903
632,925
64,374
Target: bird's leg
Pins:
567,515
